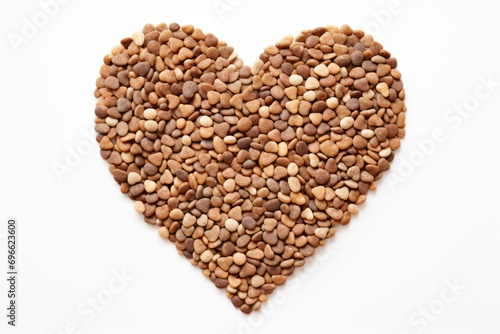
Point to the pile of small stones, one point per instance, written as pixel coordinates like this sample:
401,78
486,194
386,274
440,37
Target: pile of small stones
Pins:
248,169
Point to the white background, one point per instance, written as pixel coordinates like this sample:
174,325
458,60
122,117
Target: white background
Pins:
434,218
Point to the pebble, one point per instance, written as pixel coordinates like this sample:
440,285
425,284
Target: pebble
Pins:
296,79
248,169
231,225
206,121
150,114
346,122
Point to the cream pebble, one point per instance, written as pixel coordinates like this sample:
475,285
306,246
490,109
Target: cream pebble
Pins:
149,186
133,178
296,79
138,38
151,126
367,133
310,96
292,169
139,207
342,193
383,89
239,258
385,152
346,122
206,121
321,232
163,232
321,70
353,209
206,256
150,114
311,83
332,102
231,225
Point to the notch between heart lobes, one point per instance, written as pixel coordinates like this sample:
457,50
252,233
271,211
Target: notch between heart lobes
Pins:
248,169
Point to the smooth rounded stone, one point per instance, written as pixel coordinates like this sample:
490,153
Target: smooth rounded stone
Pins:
123,104
248,222
244,124
176,214
112,83
149,186
189,89
322,70
139,207
321,232
206,121
255,254
311,83
322,176
258,281
206,256
134,178
239,259
346,122
142,68
296,80
367,133
203,205
342,193
150,114
163,232
138,38
231,225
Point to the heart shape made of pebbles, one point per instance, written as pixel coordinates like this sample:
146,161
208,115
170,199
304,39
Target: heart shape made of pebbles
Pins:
248,169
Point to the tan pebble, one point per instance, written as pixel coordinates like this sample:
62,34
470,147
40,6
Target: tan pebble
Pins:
149,186
332,102
231,225
385,152
346,122
156,158
310,95
257,66
367,133
151,126
206,121
342,193
294,184
311,83
239,259
206,132
224,262
133,178
150,114
255,254
163,232
257,281
139,207
333,68
138,38
321,232
176,214
321,70
292,169
353,209
319,192
206,256
383,89
229,185
296,79
111,121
